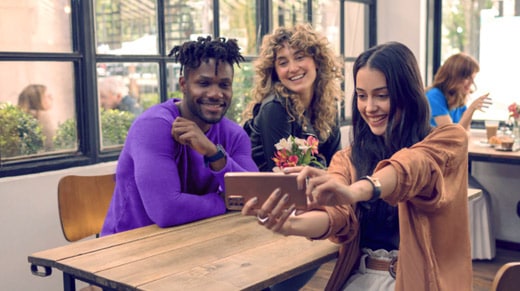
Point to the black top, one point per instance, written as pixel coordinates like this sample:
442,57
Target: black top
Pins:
379,222
272,122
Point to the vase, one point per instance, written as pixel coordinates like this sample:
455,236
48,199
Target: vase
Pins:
516,136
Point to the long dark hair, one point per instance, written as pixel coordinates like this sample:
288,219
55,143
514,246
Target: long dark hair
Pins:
409,116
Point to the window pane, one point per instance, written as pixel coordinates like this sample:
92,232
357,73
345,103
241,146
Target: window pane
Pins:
477,28
356,29
35,26
38,109
185,20
126,27
289,13
326,20
174,72
237,20
125,90
242,84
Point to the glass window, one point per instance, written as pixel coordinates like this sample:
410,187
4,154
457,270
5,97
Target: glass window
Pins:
125,90
38,109
326,20
186,20
242,84
126,27
51,55
237,20
289,12
477,28
33,35
356,29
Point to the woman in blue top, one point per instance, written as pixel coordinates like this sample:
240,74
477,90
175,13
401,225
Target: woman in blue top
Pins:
451,87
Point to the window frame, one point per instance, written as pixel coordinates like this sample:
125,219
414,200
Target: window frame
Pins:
85,59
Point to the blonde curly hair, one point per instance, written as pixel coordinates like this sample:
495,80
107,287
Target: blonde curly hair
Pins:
323,110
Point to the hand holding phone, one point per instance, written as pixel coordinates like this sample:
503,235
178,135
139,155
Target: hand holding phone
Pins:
242,186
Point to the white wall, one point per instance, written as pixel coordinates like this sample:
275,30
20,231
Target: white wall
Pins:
403,21
29,223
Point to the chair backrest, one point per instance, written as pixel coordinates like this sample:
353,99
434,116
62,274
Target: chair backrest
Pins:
83,204
507,278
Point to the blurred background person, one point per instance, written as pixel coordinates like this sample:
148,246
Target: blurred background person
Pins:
36,100
113,94
452,85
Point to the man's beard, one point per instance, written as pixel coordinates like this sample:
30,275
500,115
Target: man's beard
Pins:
197,110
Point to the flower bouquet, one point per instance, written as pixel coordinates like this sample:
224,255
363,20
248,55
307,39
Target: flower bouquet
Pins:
293,151
514,113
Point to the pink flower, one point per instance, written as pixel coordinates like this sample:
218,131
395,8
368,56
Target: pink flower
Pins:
514,111
293,151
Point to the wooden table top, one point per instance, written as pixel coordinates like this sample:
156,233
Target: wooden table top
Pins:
227,252
478,148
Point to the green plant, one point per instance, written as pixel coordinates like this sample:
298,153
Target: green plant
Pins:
242,84
20,133
114,126
148,99
66,136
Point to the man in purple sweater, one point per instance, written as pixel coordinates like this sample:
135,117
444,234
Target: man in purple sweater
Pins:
171,169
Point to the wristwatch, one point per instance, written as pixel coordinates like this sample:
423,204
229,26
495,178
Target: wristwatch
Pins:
221,153
376,193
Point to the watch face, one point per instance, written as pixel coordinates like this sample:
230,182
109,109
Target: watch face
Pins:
376,193
217,156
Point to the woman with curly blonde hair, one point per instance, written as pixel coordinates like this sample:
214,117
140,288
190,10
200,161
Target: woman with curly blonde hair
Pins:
297,83
452,85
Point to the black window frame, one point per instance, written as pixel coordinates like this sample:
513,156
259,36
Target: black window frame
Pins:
85,59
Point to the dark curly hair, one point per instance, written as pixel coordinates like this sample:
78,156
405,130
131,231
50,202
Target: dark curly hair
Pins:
191,53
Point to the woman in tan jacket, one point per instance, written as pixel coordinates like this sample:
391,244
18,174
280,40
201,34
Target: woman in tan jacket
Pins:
396,199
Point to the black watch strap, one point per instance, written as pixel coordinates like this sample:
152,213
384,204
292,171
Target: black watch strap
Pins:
221,153
376,193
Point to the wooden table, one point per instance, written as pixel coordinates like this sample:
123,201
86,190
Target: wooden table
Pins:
227,252
478,151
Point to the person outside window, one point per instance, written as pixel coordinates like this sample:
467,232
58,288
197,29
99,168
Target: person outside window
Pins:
113,94
396,199
451,87
172,165
36,100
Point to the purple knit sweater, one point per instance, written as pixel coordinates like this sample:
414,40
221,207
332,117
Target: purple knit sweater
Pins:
159,181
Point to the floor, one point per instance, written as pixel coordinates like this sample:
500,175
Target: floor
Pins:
483,271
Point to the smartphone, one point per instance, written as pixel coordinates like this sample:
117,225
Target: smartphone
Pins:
242,186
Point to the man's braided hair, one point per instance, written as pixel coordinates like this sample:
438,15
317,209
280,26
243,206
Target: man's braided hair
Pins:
191,53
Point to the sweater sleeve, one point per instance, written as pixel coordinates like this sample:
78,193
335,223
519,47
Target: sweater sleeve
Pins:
429,167
343,222
158,178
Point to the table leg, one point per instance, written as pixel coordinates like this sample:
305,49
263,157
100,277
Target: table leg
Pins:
69,283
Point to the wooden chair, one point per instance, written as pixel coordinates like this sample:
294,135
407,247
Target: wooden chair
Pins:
507,278
83,203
